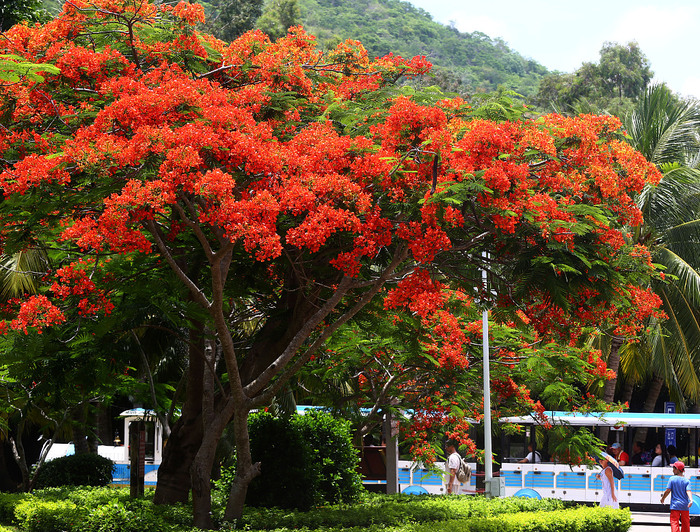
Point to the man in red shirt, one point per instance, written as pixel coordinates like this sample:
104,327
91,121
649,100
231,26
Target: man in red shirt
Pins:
621,456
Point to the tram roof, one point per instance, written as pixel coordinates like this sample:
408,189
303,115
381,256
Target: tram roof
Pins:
611,419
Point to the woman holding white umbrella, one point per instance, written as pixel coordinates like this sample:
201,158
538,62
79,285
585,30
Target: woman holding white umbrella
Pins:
607,479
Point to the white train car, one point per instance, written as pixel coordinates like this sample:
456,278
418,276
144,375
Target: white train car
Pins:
641,485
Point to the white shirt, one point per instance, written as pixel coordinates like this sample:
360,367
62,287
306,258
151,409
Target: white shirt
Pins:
453,462
537,459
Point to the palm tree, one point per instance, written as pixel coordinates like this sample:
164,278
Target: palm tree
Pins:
665,130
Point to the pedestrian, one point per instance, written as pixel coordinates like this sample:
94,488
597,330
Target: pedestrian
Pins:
607,480
453,485
681,499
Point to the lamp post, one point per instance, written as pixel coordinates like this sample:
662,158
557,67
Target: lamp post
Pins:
488,451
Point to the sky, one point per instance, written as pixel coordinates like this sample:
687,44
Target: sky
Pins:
562,34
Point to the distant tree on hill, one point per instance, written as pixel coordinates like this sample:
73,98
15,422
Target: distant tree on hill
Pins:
614,83
278,16
15,11
624,70
232,18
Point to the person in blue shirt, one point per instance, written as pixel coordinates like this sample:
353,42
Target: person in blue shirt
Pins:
681,499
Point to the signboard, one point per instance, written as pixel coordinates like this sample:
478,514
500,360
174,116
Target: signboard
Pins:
670,439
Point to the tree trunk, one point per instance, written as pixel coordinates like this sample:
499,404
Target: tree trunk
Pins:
20,455
186,436
80,434
174,472
246,471
214,418
614,365
627,392
200,472
7,482
657,384
104,428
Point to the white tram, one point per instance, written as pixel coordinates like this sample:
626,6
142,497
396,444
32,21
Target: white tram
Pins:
641,485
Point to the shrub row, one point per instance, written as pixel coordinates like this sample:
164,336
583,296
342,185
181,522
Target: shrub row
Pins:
392,510
111,510
93,510
583,519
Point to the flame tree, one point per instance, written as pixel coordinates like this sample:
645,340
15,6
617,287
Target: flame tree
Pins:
286,188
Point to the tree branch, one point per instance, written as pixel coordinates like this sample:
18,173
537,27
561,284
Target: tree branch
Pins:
196,292
279,365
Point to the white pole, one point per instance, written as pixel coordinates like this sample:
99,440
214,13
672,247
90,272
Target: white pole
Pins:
488,451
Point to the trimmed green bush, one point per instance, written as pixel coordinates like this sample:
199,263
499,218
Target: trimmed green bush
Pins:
331,444
137,515
583,519
95,510
290,474
306,460
76,470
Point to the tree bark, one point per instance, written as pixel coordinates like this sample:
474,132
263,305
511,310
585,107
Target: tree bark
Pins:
614,365
627,392
80,440
200,472
186,436
104,427
246,471
174,472
7,481
654,390
20,455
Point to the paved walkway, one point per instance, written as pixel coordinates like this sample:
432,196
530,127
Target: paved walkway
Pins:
653,522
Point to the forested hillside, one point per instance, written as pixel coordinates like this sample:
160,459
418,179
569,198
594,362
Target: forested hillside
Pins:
475,60
464,62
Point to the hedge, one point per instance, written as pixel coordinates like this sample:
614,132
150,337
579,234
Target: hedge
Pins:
92,510
395,509
112,510
583,519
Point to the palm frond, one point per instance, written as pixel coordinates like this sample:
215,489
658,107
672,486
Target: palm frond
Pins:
685,279
661,126
20,273
677,355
